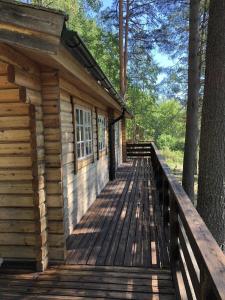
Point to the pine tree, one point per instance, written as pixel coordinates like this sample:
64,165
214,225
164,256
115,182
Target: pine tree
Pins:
211,194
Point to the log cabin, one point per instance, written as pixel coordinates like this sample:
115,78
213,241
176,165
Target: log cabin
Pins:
62,133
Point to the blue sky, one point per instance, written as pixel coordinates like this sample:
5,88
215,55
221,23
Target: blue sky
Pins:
160,58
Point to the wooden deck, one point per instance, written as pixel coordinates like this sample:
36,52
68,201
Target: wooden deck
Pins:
115,252
120,228
87,282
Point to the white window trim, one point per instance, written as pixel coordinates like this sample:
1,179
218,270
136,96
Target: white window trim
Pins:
84,109
100,116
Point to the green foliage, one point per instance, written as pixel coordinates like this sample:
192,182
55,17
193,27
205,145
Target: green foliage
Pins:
163,122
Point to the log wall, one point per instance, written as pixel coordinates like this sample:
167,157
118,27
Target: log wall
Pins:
83,180
53,160
44,189
23,225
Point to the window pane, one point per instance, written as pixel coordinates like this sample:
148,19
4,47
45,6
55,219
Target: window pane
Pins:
77,116
78,150
78,133
82,149
81,117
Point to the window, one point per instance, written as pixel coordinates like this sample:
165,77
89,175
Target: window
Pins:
83,132
101,132
117,134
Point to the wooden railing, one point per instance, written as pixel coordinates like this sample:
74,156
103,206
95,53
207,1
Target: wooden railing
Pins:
197,262
138,149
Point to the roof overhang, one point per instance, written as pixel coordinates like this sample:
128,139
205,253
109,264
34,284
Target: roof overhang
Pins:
40,31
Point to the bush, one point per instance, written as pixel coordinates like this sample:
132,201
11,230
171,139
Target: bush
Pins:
166,141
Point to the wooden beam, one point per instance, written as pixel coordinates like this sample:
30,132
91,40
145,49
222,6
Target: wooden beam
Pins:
15,57
22,78
33,18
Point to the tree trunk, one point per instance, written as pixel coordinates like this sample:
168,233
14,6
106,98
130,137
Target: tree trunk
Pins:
191,138
126,44
211,198
121,50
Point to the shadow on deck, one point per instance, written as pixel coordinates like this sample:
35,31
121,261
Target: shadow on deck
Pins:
141,239
121,228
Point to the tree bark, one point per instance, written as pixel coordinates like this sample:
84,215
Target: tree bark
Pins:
211,195
126,44
121,50
191,138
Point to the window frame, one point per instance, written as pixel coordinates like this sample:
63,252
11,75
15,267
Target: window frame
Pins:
102,132
84,129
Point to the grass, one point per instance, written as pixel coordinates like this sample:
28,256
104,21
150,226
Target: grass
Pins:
174,159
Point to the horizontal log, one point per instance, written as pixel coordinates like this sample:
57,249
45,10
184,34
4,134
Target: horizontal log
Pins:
51,121
18,252
8,135
52,147
50,93
16,201
55,214
54,201
56,240
15,162
52,108
15,148
31,96
53,174
18,239
5,83
10,95
15,122
16,213
52,135
55,227
53,160
22,78
8,226
14,109
54,188
15,175
14,57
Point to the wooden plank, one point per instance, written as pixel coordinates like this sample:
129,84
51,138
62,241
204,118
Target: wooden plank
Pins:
13,109
14,122
22,78
205,249
10,95
48,22
11,56
14,135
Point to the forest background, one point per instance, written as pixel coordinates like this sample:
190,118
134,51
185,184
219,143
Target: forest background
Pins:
157,68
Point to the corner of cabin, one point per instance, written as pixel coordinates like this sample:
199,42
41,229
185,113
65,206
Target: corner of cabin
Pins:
57,143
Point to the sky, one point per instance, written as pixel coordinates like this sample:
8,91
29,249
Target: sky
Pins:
160,58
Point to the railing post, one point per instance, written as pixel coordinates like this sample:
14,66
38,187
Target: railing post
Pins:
166,200
206,291
174,232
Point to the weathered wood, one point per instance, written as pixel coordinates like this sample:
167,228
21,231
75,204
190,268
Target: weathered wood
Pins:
46,21
113,283
206,251
11,56
22,78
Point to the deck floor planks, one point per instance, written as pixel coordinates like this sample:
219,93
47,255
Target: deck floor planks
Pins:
113,253
88,282
121,228
101,259
126,221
